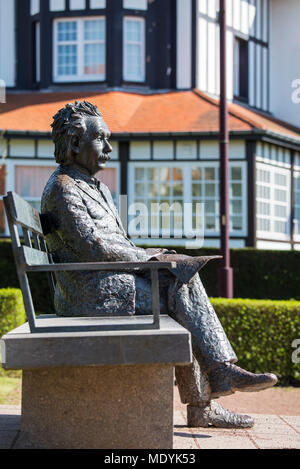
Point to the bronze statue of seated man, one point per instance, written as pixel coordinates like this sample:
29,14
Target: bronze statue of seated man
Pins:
86,227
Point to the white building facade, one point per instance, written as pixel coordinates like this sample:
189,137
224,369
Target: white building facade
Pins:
62,47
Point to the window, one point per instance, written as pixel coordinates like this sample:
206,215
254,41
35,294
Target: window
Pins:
272,154
30,182
109,177
205,189
34,7
241,69
134,49
237,210
273,201
297,203
177,189
28,179
135,4
79,50
97,4
158,189
77,4
57,5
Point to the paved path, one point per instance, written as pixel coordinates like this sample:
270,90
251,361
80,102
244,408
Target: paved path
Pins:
277,422
10,419
269,432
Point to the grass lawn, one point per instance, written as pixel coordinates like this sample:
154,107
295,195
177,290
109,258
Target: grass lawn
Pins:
10,390
10,386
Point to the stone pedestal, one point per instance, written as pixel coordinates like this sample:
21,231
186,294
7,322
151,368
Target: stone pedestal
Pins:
98,407
97,390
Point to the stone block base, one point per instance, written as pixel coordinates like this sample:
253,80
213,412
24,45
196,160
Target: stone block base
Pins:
99,407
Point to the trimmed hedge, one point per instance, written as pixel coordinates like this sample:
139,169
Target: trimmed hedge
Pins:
257,274
261,333
38,282
12,312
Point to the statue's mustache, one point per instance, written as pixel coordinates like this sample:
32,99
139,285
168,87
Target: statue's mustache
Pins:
105,157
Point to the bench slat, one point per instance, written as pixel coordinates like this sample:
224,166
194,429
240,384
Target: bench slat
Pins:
24,214
30,256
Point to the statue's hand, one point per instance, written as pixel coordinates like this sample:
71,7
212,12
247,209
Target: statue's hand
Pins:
156,253
171,251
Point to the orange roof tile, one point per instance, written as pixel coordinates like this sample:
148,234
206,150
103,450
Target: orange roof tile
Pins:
172,112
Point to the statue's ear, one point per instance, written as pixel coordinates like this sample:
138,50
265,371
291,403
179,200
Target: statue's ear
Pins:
74,143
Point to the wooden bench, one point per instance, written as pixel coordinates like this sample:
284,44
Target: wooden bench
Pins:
90,382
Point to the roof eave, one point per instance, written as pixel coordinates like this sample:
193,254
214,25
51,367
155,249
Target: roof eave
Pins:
261,134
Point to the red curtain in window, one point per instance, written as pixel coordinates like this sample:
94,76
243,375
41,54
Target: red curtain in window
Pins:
109,178
31,180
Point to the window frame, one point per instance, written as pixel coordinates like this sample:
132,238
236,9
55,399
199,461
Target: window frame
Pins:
241,69
35,7
115,165
187,189
144,7
11,177
272,234
142,44
80,42
296,222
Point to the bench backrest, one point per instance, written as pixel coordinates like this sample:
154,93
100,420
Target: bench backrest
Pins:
32,255
20,214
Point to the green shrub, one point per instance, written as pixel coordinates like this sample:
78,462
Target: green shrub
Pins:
257,274
261,333
38,282
12,312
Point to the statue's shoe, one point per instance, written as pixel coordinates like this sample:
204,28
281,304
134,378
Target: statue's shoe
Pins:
214,415
228,378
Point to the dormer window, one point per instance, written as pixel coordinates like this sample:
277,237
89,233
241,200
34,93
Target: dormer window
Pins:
79,49
241,67
134,49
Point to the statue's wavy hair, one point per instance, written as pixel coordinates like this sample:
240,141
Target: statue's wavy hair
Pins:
69,122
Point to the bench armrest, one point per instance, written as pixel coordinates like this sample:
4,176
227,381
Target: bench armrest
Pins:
98,266
153,266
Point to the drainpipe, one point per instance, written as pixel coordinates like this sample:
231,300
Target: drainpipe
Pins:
225,276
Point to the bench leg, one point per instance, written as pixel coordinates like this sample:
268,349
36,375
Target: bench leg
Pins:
110,407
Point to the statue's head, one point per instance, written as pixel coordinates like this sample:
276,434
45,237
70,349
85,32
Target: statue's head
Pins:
81,137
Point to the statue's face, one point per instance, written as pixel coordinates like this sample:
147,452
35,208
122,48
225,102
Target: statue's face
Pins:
93,149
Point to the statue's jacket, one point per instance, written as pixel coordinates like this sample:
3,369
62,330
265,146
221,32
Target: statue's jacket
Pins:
84,226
